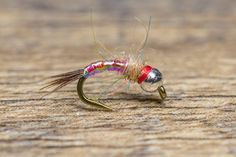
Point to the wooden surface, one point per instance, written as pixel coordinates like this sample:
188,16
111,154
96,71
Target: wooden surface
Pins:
191,42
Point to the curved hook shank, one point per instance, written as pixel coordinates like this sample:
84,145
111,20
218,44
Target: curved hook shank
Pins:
87,100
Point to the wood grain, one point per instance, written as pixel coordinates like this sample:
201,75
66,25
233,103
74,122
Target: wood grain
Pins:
191,42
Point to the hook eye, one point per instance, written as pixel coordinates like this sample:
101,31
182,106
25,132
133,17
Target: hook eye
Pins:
162,92
86,100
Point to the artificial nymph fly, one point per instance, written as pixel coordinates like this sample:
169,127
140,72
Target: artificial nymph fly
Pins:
130,68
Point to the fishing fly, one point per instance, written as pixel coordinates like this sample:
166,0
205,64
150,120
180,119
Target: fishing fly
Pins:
130,67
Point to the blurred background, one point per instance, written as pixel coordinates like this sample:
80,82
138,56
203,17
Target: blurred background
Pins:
49,37
212,19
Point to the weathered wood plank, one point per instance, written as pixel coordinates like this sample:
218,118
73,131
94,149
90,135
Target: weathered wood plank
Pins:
192,43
